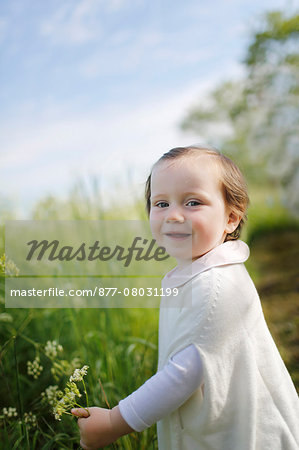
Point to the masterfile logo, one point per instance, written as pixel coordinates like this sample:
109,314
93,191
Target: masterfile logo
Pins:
54,251
84,264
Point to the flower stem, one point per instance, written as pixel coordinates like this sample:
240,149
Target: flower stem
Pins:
20,405
83,407
85,393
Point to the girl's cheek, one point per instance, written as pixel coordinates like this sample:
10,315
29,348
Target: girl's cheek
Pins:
153,214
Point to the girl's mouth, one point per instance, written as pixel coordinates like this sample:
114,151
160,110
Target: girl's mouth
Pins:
178,235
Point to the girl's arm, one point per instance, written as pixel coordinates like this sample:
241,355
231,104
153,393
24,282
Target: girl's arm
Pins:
163,393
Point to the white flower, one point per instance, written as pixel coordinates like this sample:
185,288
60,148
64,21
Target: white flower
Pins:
9,412
52,348
63,402
79,374
68,400
5,317
76,376
8,267
30,419
51,394
34,368
61,407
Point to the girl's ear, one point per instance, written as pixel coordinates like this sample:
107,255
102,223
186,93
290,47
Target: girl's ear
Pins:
233,221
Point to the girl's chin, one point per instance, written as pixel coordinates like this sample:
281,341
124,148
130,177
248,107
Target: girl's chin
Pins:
182,258
184,263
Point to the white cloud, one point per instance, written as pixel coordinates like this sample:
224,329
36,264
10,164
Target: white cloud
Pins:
131,133
174,57
121,130
81,21
73,23
123,54
43,156
117,5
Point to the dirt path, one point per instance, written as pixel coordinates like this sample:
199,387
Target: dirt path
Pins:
274,265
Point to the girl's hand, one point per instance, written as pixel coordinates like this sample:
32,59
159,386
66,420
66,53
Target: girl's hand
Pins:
101,427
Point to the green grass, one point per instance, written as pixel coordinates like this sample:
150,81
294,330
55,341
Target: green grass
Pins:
116,344
120,345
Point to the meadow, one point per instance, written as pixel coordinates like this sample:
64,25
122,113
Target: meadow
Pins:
120,345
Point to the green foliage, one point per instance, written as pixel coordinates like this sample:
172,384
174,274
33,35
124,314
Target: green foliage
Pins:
277,28
255,119
85,202
120,351
119,345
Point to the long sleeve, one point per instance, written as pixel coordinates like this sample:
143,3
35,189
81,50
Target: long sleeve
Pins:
164,392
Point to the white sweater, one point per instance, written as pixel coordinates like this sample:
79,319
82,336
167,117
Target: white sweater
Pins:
249,401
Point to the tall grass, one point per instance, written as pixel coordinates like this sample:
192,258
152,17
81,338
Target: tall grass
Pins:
119,349
119,345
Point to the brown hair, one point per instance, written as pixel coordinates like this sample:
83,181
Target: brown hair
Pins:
233,182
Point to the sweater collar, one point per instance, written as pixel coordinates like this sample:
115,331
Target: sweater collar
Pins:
230,252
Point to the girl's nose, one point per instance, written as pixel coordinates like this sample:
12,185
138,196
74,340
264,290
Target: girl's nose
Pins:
174,214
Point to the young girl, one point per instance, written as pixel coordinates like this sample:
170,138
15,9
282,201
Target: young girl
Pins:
221,383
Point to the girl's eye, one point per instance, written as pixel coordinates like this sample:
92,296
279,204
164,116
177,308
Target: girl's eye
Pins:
162,204
193,203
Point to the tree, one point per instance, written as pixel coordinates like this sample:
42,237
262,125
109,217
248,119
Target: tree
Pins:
259,115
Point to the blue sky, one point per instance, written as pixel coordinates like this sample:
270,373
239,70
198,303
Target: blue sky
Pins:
94,87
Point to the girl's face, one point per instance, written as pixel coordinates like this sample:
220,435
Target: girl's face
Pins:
189,216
